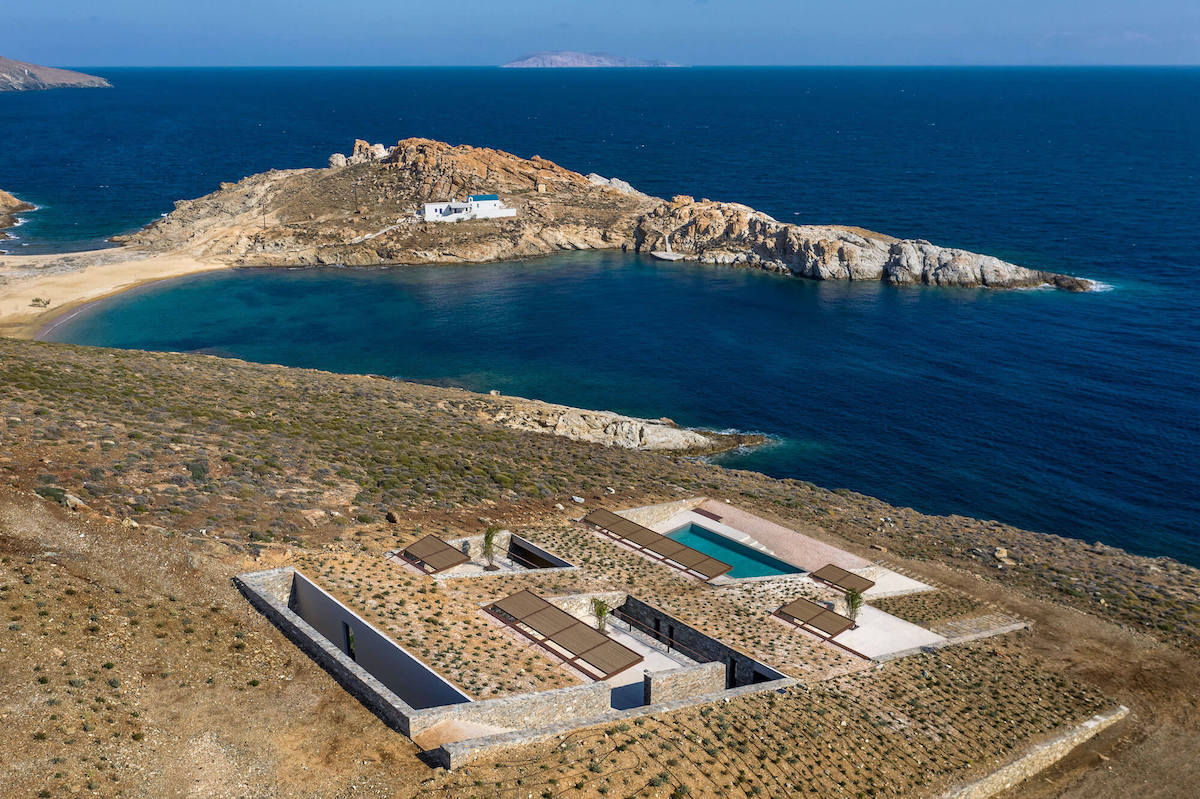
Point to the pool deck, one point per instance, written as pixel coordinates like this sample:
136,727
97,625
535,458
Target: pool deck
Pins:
789,546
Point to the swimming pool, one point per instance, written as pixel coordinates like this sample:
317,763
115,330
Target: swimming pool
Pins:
746,562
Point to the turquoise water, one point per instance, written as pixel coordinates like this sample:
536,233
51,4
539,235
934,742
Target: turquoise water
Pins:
746,562
1070,414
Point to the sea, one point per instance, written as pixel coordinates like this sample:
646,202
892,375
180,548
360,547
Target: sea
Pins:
1072,414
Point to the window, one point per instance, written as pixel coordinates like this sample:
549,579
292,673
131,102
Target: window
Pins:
348,640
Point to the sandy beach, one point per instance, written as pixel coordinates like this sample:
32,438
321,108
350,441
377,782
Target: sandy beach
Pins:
70,280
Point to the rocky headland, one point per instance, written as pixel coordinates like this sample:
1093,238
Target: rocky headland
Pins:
571,59
363,210
729,233
19,76
10,206
596,427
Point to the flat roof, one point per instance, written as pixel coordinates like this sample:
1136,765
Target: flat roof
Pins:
555,626
842,579
435,553
664,548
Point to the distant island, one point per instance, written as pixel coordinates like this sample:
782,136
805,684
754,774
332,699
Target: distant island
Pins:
566,59
19,76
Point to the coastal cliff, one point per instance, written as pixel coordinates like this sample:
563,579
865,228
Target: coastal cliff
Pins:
19,76
364,210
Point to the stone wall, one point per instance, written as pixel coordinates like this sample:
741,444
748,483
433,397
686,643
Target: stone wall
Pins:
474,544
269,591
263,590
580,605
522,711
650,515
1036,759
685,682
696,644
458,753
276,583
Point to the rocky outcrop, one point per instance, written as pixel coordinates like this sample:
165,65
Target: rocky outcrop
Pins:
570,59
729,233
364,210
614,183
17,76
10,206
598,427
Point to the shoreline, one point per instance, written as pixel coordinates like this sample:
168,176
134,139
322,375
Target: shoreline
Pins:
71,281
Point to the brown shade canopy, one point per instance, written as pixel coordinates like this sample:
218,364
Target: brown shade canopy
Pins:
434,553
805,612
842,579
553,625
656,545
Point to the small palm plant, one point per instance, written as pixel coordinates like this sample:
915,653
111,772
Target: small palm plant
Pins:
489,546
854,603
600,610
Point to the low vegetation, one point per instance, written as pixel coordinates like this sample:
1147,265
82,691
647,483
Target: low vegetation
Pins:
134,485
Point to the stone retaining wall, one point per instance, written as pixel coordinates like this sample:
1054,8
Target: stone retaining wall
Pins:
1036,759
580,605
269,591
523,710
650,515
458,753
684,682
265,591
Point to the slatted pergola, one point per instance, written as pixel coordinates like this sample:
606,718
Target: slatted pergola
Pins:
657,546
432,555
841,579
576,642
805,613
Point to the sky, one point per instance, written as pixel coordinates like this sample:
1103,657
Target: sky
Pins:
700,32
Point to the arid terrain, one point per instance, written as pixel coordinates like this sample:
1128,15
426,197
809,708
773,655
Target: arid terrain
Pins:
134,486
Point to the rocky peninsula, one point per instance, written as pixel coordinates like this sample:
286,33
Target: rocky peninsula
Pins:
363,209
19,76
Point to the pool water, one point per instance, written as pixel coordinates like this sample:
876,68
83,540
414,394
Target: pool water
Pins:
746,562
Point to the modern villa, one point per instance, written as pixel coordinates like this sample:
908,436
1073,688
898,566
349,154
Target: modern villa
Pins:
477,206
472,644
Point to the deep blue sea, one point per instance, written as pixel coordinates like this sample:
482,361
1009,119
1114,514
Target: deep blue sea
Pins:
1065,413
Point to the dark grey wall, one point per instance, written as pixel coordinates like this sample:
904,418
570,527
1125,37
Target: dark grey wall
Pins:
696,644
384,659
